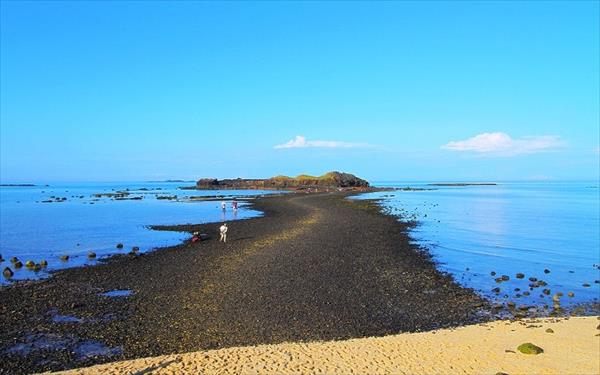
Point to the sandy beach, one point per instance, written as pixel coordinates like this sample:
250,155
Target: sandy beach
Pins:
571,346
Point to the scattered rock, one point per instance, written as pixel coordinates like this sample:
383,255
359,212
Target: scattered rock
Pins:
37,267
520,276
546,292
510,304
585,285
529,348
546,270
91,255
135,249
64,258
533,279
14,259
29,264
549,330
18,264
496,290
44,263
571,294
493,273
526,293
505,278
119,246
8,273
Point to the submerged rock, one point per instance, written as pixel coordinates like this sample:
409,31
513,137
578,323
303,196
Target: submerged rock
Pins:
91,255
505,278
14,259
64,258
529,348
8,273
18,264
119,246
546,271
571,294
493,273
520,276
37,267
44,263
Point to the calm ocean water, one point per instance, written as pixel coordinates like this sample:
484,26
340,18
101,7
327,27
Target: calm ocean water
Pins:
33,229
509,228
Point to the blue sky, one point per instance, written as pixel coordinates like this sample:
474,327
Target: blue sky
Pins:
105,91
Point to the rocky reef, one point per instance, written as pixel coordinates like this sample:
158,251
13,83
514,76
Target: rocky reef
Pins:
326,182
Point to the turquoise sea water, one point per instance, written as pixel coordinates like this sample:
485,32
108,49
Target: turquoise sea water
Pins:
33,229
508,228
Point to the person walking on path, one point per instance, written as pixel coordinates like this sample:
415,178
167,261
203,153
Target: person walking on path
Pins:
223,230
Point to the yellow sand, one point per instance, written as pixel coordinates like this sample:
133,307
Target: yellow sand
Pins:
573,348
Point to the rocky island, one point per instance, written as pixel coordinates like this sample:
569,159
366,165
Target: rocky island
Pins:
328,182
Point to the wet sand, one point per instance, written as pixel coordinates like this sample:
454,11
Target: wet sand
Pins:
315,267
572,347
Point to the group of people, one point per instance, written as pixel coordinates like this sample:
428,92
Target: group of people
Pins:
234,205
223,228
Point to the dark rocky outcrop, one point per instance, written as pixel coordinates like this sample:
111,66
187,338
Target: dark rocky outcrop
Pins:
328,181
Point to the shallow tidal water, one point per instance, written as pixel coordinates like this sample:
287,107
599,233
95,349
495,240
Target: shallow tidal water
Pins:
547,231
46,222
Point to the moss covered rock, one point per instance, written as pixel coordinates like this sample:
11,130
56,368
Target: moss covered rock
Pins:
529,348
30,264
18,264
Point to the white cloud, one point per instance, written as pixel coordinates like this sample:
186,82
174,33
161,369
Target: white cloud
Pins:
501,144
301,142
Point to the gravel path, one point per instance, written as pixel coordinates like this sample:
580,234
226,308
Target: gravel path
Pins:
315,267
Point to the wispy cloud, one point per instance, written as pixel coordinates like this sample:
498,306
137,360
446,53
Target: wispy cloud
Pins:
301,142
502,144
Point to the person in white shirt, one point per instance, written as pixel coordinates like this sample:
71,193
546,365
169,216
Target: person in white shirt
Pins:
223,230
223,205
